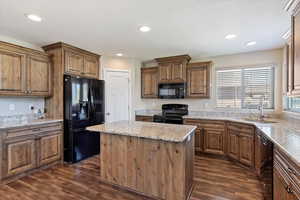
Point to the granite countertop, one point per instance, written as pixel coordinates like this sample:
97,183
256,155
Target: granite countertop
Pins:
155,131
19,124
149,113
285,134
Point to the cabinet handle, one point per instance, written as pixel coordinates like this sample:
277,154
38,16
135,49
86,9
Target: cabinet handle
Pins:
291,171
289,190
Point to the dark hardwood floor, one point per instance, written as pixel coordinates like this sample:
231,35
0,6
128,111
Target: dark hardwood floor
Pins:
214,180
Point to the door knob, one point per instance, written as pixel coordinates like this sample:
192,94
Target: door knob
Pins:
108,113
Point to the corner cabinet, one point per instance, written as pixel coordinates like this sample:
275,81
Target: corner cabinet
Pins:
241,143
172,69
28,148
149,85
24,72
198,80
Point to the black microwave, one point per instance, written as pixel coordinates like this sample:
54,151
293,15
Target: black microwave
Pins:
171,90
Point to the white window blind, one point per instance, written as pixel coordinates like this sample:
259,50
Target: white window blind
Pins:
245,87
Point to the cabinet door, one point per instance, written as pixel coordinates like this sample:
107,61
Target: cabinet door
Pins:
199,140
38,76
50,149
178,72
279,187
233,144
73,62
91,66
149,83
198,82
12,73
246,149
213,141
165,72
18,157
295,73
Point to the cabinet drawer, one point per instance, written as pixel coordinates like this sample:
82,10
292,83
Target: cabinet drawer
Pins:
12,133
248,129
287,165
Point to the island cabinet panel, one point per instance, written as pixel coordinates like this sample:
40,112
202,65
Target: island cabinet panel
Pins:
198,80
149,82
158,169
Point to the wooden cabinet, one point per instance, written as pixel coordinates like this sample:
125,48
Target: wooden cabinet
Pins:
172,69
144,118
91,66
149,85
209,136
24,72
67,59
18,156
24,149
73,62
49,148
241,143
198,80
39,76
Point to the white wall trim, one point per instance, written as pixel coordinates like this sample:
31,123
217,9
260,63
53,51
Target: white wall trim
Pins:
128,72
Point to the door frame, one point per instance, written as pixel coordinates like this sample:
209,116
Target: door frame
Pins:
105,76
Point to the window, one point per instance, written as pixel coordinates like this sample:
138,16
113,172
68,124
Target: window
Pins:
292,104
245,88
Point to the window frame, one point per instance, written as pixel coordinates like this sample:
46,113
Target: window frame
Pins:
272,65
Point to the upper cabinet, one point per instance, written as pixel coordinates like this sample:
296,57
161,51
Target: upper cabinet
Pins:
198,80
293,69
76,61
149,82
23,71
172,69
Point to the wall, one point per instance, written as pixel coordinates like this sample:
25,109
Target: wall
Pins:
245,59
21,104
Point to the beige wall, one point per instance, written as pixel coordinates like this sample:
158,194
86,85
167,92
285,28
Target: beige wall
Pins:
245,59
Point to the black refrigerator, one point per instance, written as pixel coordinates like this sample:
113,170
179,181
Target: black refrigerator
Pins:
83,106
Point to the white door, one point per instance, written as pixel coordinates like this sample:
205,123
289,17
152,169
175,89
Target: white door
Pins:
117,95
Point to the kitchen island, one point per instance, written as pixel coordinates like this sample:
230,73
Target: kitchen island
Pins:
152,159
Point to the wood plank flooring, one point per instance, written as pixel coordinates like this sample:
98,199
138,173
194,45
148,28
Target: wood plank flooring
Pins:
214,180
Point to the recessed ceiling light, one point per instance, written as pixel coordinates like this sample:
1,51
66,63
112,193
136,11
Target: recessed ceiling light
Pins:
34,17
230,36
251,43
144,29
119,54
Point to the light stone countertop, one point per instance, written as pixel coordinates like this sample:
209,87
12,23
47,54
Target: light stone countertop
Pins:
35,122
149,113
155,131
285,134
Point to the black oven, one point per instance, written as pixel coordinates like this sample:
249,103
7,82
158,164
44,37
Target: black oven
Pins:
171,90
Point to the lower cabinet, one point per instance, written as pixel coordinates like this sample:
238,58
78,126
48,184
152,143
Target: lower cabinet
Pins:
143,118
49,149
241,143
18,156
30,148
281,188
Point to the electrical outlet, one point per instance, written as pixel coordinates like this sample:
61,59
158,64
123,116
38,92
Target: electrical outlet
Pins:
12,107
31,107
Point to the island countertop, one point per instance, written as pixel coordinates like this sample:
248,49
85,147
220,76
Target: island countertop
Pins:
155,131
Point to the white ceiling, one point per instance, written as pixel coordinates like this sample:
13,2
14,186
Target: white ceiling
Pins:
195,27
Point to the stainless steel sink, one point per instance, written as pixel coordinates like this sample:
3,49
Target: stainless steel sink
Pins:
265,121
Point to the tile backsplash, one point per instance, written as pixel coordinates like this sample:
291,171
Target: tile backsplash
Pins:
10,106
